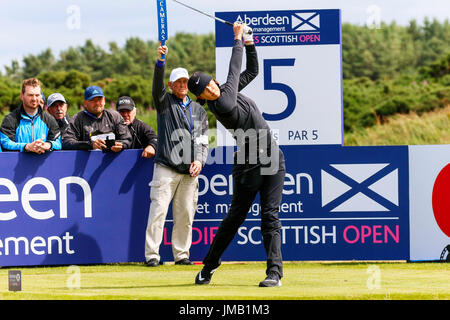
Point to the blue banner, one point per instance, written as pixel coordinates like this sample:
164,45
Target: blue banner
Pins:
78,207
73,207
339,203
290,28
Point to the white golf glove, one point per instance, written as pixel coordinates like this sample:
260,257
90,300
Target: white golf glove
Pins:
248,34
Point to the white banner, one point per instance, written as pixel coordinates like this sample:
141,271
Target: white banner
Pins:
299,86
429,174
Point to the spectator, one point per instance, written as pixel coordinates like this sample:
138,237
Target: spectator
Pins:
28,128
91,128
42,102
180,157
143,136
57,107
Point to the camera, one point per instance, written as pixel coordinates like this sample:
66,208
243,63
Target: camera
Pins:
109,143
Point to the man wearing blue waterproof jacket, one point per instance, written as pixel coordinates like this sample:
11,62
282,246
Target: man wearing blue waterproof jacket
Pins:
28,128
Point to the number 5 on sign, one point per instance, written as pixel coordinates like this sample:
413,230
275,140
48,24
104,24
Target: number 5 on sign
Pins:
269,85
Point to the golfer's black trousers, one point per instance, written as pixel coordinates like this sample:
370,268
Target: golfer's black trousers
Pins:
247,183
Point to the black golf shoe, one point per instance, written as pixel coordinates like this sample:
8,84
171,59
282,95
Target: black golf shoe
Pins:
152,263
272,280
185,262
204,276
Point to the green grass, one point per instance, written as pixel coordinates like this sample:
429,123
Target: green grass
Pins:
405,129
306,280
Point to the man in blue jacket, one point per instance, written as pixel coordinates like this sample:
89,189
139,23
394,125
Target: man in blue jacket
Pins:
28,128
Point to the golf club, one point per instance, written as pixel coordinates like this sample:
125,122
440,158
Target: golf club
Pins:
208,15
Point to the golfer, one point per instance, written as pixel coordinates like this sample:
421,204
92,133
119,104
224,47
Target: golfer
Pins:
258,165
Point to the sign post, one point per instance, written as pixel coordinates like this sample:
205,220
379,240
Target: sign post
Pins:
162,22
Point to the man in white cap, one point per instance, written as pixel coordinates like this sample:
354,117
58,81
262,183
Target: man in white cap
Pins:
180,156
57,107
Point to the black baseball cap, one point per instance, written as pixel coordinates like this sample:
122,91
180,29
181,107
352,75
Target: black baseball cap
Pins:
198,82
125,103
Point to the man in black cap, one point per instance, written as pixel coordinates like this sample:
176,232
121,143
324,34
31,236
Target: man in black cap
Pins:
143,136
259,165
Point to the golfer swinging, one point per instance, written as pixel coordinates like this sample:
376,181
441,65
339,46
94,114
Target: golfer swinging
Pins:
258,164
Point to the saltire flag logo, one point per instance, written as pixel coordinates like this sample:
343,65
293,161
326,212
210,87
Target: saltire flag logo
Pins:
305,21
368,187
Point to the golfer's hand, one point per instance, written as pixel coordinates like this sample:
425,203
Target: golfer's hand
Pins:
148,152
98,144
238,29
162,50
195,168
248,35
117,147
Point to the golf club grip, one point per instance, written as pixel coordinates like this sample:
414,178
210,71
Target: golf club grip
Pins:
230,24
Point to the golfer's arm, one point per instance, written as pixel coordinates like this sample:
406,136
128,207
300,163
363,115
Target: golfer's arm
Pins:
252,68
228,94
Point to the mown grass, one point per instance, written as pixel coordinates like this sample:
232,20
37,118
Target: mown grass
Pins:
306,280
405,129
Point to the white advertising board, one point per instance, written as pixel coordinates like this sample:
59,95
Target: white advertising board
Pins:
299,86
429,174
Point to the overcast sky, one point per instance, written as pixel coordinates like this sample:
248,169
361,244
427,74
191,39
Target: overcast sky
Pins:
32,26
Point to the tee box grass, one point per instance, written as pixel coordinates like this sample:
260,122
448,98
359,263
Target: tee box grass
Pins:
234,281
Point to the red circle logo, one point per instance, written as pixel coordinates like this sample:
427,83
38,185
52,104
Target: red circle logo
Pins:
441,200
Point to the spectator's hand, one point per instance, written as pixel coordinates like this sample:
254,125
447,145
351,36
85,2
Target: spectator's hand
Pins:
148,152
195,168
238,29
46,146
37,146
117,147
98,144
162,50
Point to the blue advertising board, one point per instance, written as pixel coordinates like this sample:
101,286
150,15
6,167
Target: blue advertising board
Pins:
284,28
78,207
73,207
339,203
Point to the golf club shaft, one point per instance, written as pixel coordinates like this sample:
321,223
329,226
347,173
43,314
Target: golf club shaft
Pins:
204,13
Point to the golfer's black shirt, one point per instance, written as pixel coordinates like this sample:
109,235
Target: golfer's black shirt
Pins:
237,112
